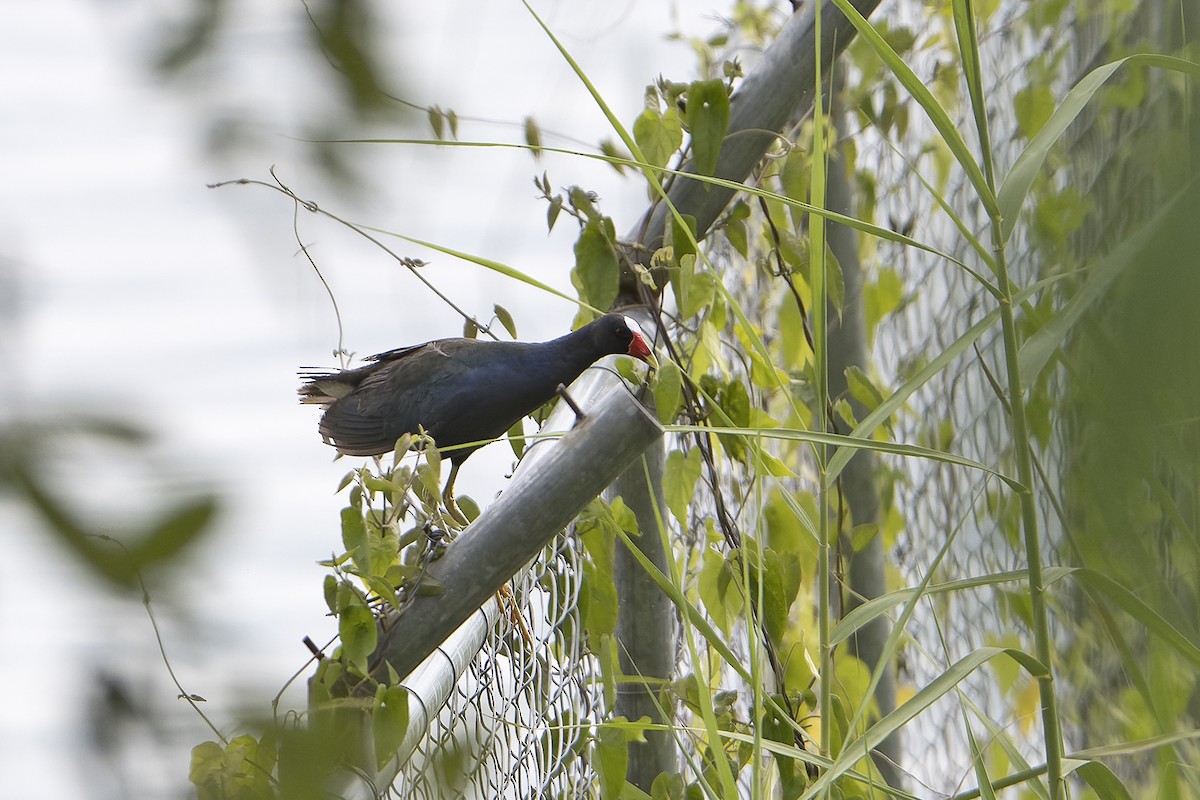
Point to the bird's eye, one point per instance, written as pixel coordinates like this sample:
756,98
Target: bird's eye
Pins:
623,332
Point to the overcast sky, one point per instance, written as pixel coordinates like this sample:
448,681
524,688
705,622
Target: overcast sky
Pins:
128,288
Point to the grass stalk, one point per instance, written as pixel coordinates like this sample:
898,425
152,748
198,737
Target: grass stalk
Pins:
818,315
1022,448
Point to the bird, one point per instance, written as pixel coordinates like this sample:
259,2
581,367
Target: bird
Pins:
459,391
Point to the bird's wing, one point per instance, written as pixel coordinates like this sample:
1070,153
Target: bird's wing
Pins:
408,369
398,353
392,399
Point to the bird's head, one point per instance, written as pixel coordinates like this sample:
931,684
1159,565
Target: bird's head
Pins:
629,334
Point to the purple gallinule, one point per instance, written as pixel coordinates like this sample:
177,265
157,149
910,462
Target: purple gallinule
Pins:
462,391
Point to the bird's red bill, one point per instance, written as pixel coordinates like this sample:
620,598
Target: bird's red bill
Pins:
640,348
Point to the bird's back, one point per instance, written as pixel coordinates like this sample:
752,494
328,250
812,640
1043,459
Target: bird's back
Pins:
458,390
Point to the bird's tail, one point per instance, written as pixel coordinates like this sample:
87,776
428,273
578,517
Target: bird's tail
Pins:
321,388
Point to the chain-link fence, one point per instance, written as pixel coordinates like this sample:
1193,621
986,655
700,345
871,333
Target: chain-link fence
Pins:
960,408
514,723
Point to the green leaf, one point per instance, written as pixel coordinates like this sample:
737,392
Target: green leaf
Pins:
781,583
596,266
384,589
835,282
708,120
845,411
598,592
177,529
1103,781
734,400
516,437
242,770
881,297
533,137
348,595
121,565
668,391
610,759
437,123
693,286
429,473
795,175
679,482
355,539
383,548
775,728
389,722
786,526
770,464
623,516
735,227
658,135
862,388
506,319
694,289
862,535
713,584
1033,106
552,211
330,587
852,678
357,630
793,342
667,786
1060,214
682,239
208,758
615,155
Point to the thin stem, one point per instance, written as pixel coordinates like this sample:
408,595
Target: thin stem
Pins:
821,385
965,25
1052,731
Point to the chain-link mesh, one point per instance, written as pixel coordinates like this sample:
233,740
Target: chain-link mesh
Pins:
512,726
957,410
960,409
514,723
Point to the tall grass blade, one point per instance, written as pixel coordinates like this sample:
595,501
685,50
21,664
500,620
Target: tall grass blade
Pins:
1020,178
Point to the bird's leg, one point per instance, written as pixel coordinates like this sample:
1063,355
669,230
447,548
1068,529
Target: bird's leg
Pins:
448,498
504,597
570,401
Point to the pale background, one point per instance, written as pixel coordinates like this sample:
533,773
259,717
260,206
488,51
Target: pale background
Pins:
128,288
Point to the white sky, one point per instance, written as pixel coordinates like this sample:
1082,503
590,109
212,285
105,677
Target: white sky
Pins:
134,290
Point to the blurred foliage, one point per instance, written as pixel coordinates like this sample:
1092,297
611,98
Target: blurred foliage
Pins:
392,528
114,551
1132,482
339,46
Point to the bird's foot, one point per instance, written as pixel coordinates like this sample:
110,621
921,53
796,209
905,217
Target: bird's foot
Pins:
455,514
